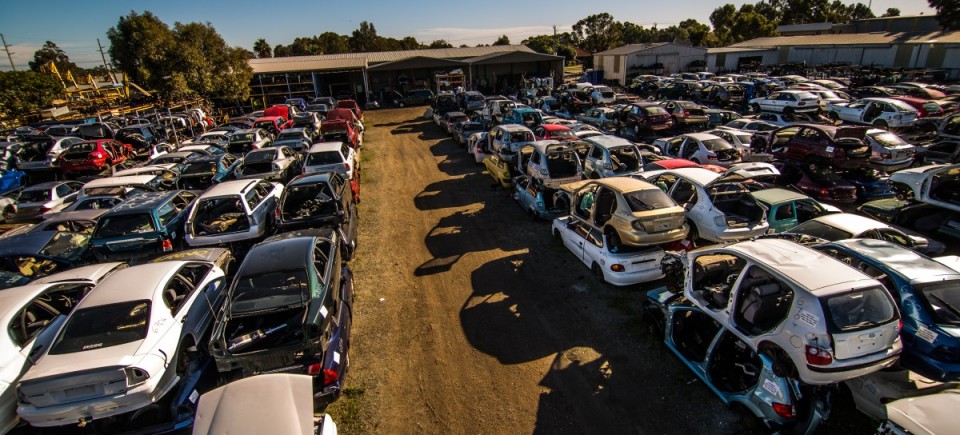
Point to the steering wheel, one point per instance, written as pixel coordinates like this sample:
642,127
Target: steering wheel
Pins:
29,325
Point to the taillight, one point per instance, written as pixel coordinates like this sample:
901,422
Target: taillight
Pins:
686,113
167,245
817,356
276,213
346,166
824,192
96,155
617,267
785,411
330,376
314,369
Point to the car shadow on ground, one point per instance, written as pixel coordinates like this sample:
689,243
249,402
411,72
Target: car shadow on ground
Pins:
456,160
455,192
463,232
607,374
426,128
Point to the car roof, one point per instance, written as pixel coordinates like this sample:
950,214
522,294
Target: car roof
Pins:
555,127
75,215
12,299
777,195
44,186
903,261
118,181
512,127
30,243
325,146
810,269
316,177
143,201
702,136
232,187
700,176
276,255
117,287
849,222
607,141
246,130
625,184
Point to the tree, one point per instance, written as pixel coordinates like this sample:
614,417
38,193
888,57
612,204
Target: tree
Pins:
262,49
502,40
547,44
597,32
948,13
26,92
139,45
891,12
440,43
365,38
50,52
696,31
333,43
207,65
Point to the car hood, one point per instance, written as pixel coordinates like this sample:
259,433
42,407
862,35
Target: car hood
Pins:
287,398
933,414
55,365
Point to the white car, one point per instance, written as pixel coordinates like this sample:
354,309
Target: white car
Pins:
750,124
250,139
933,184
232,211
719,207
41,198
507,139
611,156
787,101
332,156
622,266
740,139
33,314
889,152
785,119
818,319
842,226
700,148
204,149
830,97
41,155
879,112
603,95
126,345
477,146
121,185
551,162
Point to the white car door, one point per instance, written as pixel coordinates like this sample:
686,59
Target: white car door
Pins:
573,238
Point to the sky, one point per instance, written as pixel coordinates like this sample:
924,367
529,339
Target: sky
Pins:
75,26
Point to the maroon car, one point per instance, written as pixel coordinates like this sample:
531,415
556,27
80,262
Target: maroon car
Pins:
820,182
93,156
842,147
644,118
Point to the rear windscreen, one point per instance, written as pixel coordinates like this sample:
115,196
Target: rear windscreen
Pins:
858,309
324,158
943,300
125,224
103,326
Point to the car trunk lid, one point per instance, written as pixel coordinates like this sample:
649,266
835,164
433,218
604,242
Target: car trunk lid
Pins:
662,220
864,342
98,373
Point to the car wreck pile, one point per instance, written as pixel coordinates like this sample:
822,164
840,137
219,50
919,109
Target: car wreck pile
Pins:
152,272
774,296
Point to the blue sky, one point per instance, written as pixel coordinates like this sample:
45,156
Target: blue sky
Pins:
75,26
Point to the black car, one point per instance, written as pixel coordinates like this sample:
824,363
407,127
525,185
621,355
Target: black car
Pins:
41,253
320,200
202,172
147,225
288,310
413,98
142,137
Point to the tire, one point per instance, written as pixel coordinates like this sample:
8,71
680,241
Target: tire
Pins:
879,123
597,273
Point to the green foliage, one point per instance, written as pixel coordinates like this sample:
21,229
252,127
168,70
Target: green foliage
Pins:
139,46
262,49
598,32
50,52
948,13
891,12
440,43
26,92
547,44
502,40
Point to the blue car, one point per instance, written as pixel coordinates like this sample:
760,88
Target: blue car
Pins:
537,200
740,376
871,184
147,225
928,294
202,173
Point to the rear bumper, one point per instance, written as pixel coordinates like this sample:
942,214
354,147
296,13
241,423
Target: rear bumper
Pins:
93,409
849,369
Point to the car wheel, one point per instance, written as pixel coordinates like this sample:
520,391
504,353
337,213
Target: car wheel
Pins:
597,273
880,124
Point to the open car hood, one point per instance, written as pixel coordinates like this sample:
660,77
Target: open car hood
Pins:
926,415
284,405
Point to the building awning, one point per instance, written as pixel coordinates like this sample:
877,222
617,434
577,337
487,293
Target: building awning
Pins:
417,62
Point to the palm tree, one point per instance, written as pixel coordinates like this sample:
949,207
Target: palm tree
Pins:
262,49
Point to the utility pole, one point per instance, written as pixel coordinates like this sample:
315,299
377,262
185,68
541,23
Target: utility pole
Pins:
7,49
554,39
105,65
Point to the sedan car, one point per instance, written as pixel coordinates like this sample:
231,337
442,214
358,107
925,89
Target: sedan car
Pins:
242,141
787,101
278,164
843,226
232,211
618,265
700,148
686,115
889,152
289,310
41,198
927,293
718,207
125,346
627,211
146,225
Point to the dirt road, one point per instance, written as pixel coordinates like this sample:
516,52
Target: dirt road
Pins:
469,318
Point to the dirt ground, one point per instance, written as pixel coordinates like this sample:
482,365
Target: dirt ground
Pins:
469,318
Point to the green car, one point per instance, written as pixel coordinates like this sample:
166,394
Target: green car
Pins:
787,209
142,227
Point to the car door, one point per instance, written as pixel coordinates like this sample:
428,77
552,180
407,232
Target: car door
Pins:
771,103
574,236
206,292
689,149
591,166
690,334
673,146
943,152
782,217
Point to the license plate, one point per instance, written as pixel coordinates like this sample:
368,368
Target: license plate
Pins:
80,391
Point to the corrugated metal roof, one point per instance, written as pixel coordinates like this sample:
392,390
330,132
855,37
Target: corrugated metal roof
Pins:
877,38
630,48
808,27
362,60
514,56
719,50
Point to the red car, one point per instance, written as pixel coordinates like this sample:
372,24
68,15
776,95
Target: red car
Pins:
927,108
340,130
273,124
352,105
93,156
558,132
657,165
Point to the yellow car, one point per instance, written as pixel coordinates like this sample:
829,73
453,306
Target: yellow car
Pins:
499,169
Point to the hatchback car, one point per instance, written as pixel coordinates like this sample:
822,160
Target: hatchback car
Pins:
538,200
686,115
278,164
319,200
233,211
928,294
787,209
289,310
39,153
506,140
627,211
700,148
550,162
242,141
610,156
93,156
332,156
144,226
38,199
840,147
463,130
554,132
938,185
449,119
618,265
298,139
817,319
842,226
203,172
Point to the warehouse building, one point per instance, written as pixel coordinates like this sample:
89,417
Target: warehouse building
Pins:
376,74
631,60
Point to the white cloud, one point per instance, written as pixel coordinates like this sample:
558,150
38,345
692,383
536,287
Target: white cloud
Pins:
486,35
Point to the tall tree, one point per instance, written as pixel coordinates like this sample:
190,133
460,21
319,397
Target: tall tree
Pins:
139,45
440,43
948,13
26,92
598,32
365,38
696,31
208,66
50,52
262,49
502,40
891,12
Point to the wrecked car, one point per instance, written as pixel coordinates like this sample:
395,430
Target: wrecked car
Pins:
41,253
787,209
289,310
821,182
538,200
333,156
718,207
506,140
125,346
232,211
700,148
146,225
933,184
42,198
319,200
203,172
627,211
927,293
93,156
552,163
278,164
618,265
610,156
842,226
243,141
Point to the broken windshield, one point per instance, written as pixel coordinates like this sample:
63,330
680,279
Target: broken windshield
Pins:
269,290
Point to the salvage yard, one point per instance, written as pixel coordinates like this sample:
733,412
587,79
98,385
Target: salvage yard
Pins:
469,318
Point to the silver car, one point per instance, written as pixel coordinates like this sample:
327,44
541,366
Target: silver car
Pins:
232,211
125,346
41,198
272,164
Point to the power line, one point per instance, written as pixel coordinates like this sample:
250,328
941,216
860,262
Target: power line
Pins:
7,49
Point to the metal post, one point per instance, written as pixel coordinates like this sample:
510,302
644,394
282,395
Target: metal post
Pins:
7,49
176,138
105,65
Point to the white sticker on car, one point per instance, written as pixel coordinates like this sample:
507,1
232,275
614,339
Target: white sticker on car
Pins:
926,334
336,357
829,149
194,396
771,387
323,311
809,318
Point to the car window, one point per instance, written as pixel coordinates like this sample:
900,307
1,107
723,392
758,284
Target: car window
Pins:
762,301
684,192
859,309
35,316
63,190
253,198
596,153
103,326
123,225
166,213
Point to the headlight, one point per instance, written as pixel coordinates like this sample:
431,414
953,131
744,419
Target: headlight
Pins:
720,220
135,376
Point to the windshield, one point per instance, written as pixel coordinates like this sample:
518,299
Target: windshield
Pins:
162,160
563,134
324,158
97,203
205,167
103,326
648,199
943,300
125,224
270,290
521,136
66,245
259,156
858,309
266,125
34,196
242,138
823,231
716,144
